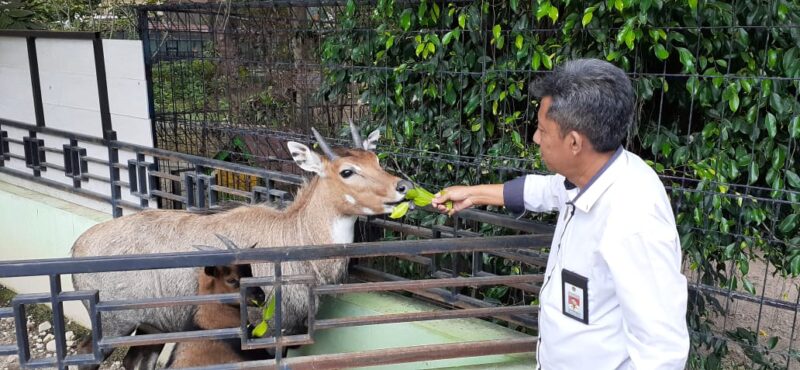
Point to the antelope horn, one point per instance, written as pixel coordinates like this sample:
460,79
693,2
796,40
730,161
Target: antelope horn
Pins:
356,137
324,146
228,243
206,248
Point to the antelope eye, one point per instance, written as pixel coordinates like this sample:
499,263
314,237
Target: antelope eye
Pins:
346,173
231,281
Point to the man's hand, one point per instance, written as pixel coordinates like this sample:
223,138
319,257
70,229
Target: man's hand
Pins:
459,195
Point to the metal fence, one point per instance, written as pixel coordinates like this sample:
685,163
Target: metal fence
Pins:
452,272
264,74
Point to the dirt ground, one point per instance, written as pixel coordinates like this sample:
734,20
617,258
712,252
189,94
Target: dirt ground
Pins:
763,319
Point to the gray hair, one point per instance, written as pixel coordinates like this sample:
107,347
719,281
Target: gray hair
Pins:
592,97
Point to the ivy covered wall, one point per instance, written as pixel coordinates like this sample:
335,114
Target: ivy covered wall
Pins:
717,85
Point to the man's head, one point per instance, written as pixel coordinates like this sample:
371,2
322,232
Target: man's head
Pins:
587,104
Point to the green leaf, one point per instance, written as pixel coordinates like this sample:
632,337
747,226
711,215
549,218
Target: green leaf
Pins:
744,266
448,37
787,226
543,10
794,266
516,138
794,127
496,31
629,37
793,179
547,61
771,124
19,13
405,20
772,342
269,310
753,176
553,13
661,52
462,20
734,102
518,41
587,18
686,59
748,286
619,5
260,329
389,42
693,4
514,5
476,127
536,60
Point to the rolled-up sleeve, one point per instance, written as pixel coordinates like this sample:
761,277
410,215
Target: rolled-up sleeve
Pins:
652,294
537,193
514,195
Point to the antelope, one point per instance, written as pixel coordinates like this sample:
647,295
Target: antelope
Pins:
218,280
349,182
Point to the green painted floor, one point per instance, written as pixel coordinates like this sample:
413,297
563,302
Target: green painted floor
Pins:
364,338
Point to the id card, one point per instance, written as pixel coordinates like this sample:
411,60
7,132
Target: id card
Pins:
575,294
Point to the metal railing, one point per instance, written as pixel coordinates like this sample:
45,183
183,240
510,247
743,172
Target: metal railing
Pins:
54,268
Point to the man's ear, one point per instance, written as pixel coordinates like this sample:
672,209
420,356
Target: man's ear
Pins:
306,158
576,142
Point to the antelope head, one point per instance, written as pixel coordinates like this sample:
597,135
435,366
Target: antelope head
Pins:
357,184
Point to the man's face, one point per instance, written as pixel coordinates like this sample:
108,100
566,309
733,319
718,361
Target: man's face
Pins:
555,148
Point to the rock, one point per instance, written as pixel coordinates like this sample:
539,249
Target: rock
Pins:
48,338
51,346
45,326
13,358
70,343
69,335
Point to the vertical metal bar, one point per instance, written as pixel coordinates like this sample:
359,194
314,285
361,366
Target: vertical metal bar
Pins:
113,178
58,320
141,174
36,86
20,320
144,35
278,312
97,326
105,120
133,184
102,87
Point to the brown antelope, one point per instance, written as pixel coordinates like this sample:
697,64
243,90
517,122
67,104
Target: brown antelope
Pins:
218,280
348,183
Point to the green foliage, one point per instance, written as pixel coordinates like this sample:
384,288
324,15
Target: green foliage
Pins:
109,17
184,85
717,87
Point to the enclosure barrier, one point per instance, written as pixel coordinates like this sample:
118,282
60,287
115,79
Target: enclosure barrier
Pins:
54,268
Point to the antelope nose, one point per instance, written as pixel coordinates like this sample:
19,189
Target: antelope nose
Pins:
403,186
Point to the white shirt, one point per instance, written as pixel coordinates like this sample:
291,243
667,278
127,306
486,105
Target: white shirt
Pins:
622,237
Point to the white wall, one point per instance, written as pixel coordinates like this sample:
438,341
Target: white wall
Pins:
70,100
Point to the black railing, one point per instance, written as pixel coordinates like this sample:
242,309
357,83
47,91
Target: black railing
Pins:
54,268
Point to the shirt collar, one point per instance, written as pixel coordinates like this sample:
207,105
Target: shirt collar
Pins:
598,184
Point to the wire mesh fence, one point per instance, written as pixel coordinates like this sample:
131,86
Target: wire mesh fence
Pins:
446,82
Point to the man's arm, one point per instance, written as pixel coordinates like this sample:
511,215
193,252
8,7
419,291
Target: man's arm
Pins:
652,293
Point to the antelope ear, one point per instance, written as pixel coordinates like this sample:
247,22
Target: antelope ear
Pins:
210,271
305,157
372,141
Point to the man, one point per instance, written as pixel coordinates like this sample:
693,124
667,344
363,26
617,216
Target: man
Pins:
613,295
